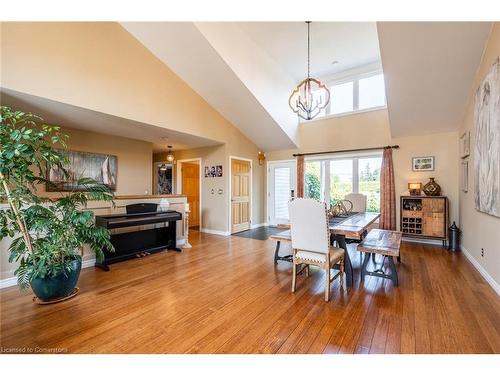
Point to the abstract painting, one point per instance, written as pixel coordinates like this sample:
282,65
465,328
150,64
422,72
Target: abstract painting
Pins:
99,167
487,145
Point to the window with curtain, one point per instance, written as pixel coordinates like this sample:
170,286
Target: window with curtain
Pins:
332,179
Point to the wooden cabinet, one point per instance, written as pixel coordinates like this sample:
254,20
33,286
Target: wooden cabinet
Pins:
425,217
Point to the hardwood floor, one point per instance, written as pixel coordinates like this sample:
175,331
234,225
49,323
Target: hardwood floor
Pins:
226,296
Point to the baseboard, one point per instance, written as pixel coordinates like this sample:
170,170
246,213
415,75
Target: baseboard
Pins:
423,240
490,280
11,281
5,283
216,232
254,226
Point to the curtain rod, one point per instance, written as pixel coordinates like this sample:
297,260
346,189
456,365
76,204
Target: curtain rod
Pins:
339,151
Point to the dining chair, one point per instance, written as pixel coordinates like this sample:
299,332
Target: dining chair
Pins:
358,201
311,241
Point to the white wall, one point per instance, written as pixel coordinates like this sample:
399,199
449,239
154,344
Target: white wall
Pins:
480,230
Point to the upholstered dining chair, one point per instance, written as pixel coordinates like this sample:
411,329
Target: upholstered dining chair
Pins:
311,241
358,201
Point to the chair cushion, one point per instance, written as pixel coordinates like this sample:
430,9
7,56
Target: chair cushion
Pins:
335,255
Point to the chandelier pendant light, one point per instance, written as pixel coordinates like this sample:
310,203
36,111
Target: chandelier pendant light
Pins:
170,155
311,96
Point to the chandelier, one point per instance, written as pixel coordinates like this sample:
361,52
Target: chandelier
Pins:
310,96
170,155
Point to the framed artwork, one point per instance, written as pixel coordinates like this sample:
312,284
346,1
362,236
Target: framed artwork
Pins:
213,171
465,145
465,176
487,143
423,163
100,167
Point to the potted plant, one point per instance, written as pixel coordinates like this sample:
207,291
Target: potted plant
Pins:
48,234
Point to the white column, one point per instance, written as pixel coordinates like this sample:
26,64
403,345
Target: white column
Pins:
187,245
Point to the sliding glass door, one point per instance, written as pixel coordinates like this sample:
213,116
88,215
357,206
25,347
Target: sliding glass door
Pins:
332,179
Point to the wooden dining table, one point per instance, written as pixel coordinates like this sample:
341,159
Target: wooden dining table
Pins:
352,228
343,229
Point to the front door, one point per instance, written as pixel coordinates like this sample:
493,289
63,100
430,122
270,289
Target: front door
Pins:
240,195
282,181
191,189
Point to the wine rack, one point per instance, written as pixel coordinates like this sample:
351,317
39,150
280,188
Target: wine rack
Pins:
422,216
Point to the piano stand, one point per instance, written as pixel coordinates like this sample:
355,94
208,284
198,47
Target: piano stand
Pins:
132,244
102,266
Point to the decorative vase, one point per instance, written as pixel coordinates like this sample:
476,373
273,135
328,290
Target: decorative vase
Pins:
54,288
164,205
432,188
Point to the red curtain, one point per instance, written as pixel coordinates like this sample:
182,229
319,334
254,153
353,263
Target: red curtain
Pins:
387,193
300,176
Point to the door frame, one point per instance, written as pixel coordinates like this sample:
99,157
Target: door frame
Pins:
230,192
268,184
178,175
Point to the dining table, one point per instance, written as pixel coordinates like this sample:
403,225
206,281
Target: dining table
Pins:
344,229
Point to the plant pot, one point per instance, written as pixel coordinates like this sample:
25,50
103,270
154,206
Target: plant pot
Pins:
54,288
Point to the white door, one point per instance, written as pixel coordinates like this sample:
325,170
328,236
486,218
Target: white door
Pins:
282,180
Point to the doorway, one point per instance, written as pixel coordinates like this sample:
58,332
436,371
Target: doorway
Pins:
241,194
163,180
281,177
189,184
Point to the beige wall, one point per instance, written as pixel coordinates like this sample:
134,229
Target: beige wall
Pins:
134,157
215,206
67,61
100,66
371,129
480,230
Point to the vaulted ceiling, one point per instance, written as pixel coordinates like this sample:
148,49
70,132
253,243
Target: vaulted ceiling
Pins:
429,68
247,70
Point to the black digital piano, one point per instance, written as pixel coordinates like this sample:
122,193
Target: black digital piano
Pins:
160,232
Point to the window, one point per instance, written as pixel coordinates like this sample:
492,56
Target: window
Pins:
341,179
371,92
369,181
359,93
332,179
342,98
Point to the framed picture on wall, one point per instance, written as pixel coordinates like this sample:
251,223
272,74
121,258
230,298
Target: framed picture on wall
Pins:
465,176
423,163
465,145
100,167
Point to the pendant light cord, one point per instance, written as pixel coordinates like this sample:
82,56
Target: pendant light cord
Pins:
308,50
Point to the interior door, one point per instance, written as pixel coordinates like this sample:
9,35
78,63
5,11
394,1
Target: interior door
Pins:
191,189
240,195
282,185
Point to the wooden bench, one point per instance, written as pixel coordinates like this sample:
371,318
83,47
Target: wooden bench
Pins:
386,243
281,237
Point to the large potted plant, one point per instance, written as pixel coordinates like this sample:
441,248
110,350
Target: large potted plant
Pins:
48,234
